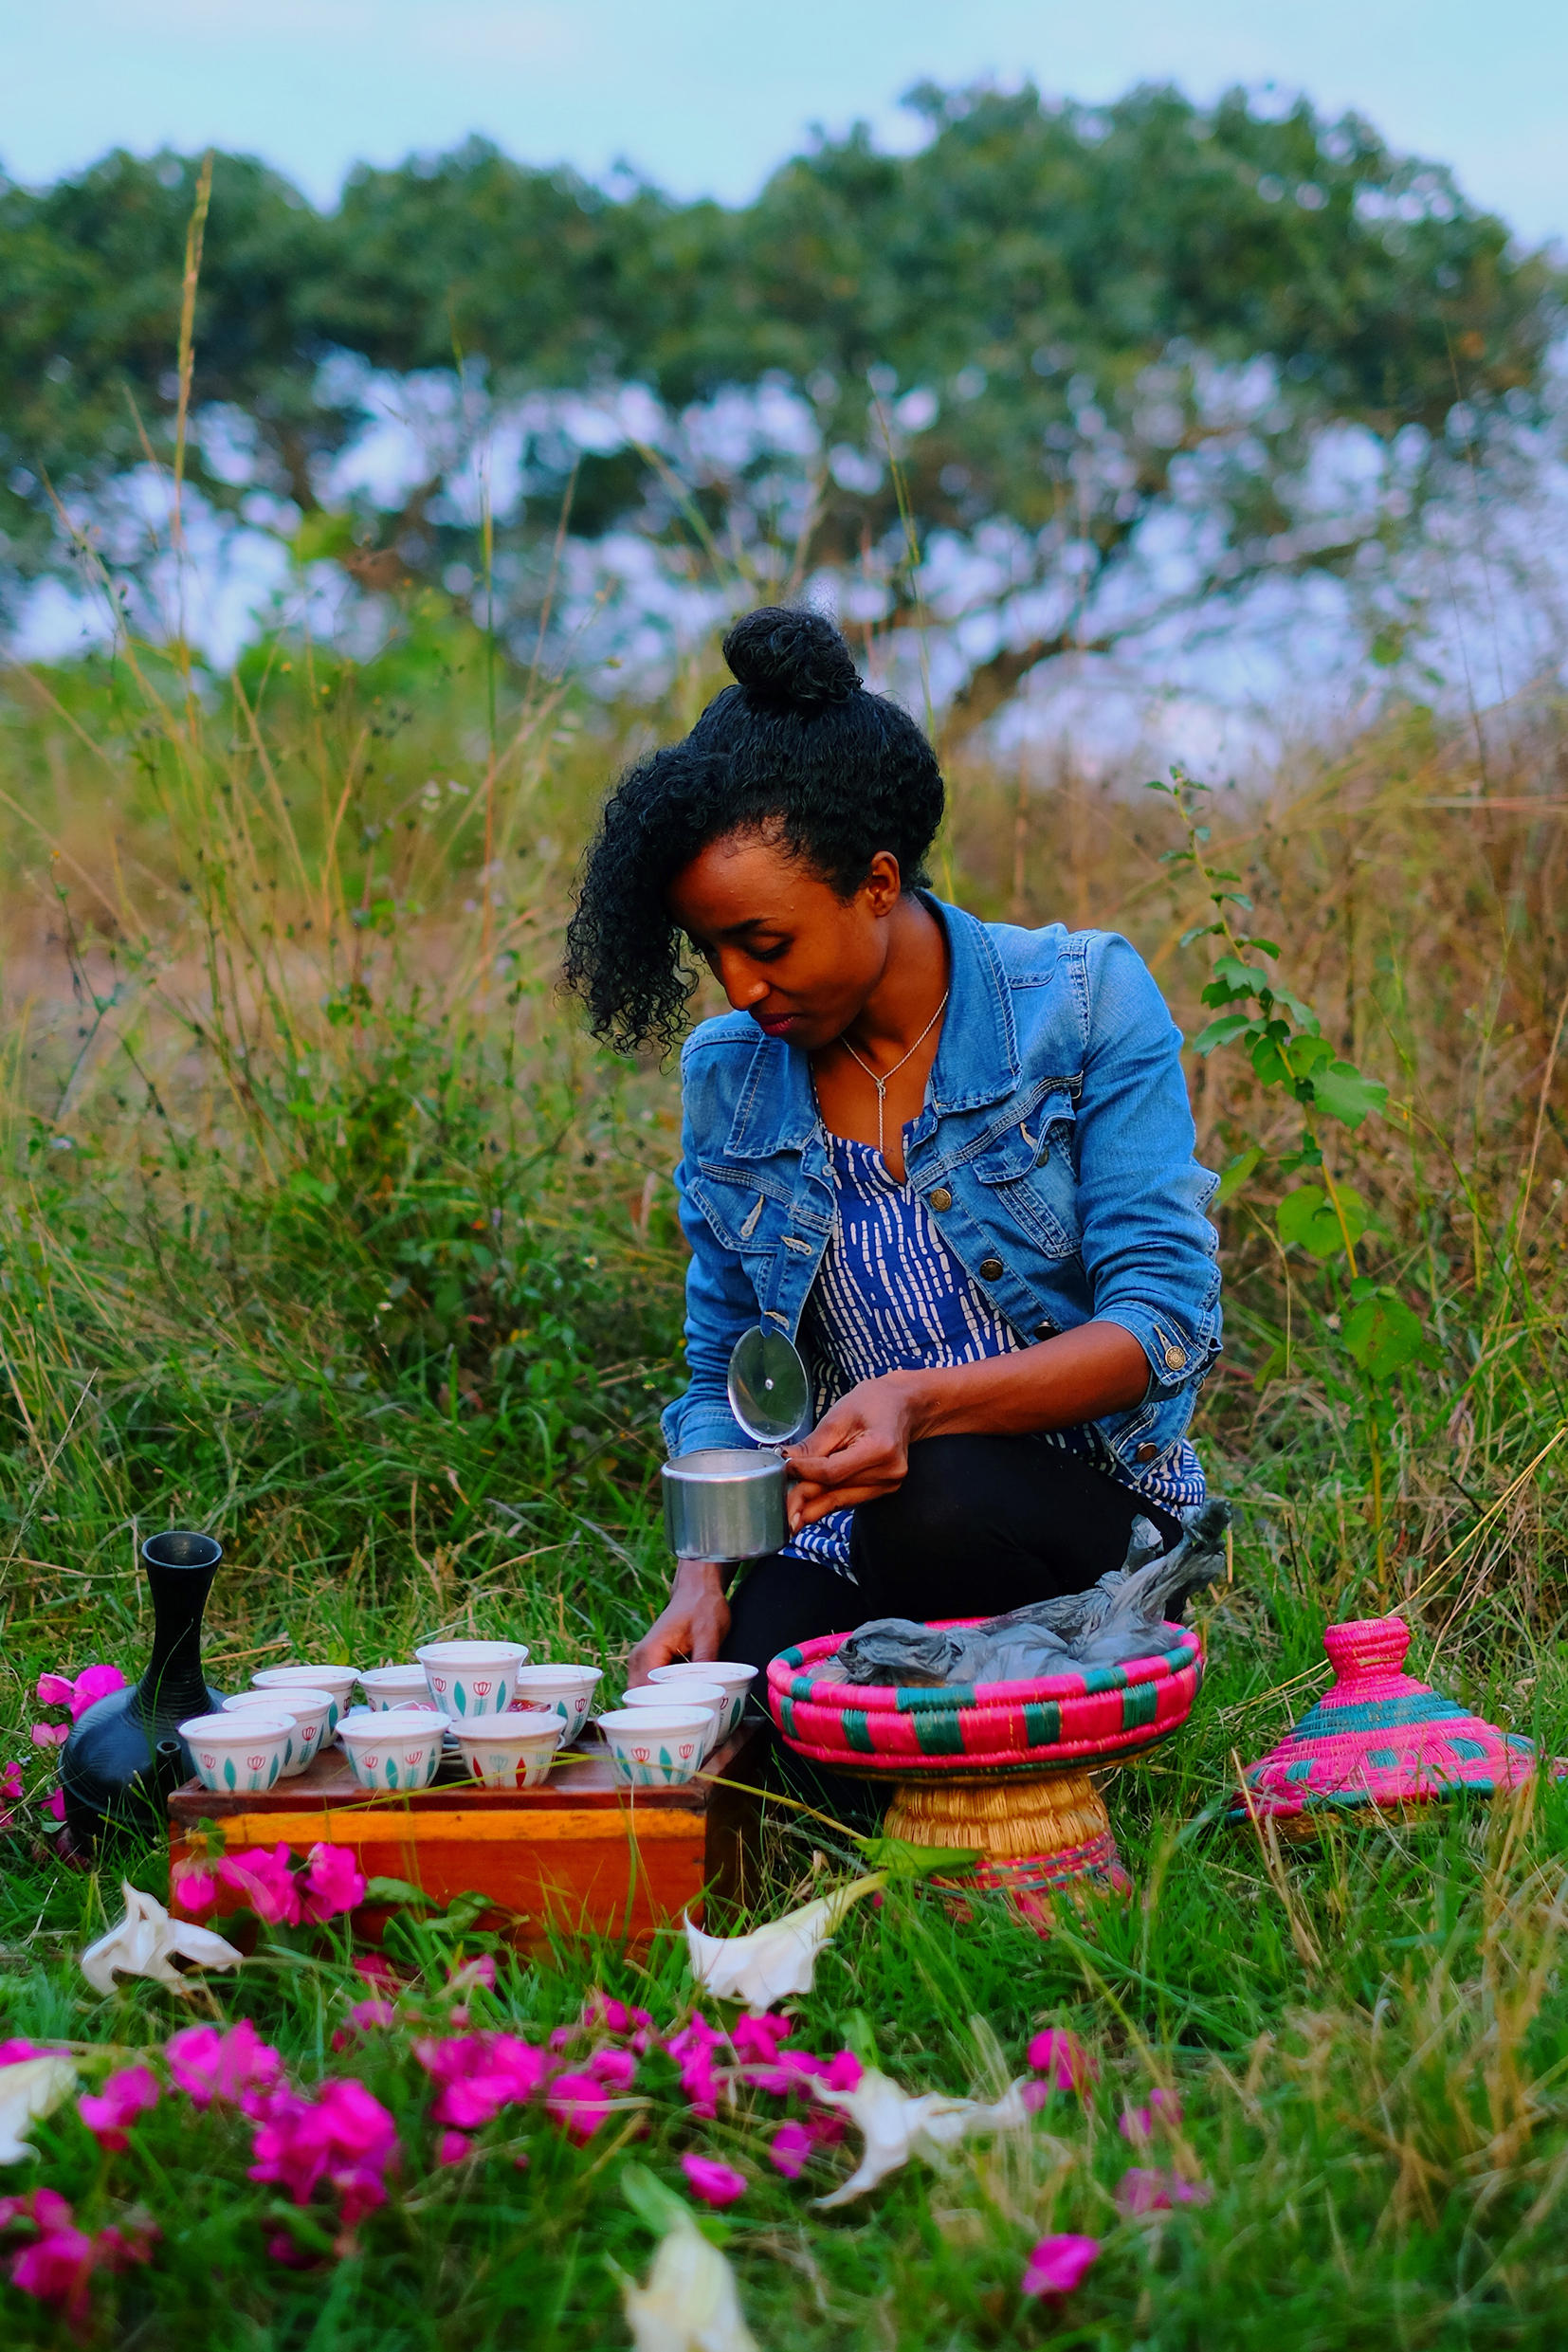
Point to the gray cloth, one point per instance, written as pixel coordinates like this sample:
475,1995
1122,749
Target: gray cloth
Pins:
1121,1617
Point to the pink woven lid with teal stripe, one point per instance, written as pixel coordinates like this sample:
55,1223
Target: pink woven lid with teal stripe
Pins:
1379,1737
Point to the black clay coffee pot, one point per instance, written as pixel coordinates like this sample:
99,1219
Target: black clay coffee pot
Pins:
125,1753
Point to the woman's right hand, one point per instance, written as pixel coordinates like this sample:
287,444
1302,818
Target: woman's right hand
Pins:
692,1624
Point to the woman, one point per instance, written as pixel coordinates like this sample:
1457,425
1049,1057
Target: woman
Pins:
952,1160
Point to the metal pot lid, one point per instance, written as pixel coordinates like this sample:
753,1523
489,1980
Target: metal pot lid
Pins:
770,1393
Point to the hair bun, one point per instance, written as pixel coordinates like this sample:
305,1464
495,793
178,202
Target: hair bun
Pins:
788,658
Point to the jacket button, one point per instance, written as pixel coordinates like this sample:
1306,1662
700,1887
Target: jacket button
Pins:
1147,1454
1175,1357
991,1270
1044,1331
942,1198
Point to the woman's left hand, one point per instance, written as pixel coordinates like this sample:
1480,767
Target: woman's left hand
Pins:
858,1451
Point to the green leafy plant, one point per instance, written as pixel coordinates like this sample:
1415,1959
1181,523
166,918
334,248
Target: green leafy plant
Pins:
1374,1328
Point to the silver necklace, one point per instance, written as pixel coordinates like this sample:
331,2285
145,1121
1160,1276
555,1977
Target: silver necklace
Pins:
880,1083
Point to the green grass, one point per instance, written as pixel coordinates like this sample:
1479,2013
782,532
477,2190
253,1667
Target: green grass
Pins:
357,1253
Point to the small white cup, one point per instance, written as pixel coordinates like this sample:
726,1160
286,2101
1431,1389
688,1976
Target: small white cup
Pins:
511,1751
656,1747
394,1748
393,1685
337,1681
736,1679
568,1690
235,1752
472,1678
307,1709
713,1696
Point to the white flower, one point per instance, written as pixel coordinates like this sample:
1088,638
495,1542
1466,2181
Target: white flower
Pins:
32,2089
140,1945
690,2303
894,2127
774,1961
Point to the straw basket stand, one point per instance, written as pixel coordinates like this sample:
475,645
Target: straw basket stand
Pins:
999,1768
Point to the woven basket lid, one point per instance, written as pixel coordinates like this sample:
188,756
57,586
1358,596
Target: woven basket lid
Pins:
1379,1737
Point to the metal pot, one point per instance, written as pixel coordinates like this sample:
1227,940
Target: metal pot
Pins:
724,1502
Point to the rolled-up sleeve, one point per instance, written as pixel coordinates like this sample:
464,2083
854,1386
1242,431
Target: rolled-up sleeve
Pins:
1148,1248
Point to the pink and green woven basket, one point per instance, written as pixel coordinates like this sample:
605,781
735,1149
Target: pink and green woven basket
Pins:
1060,1722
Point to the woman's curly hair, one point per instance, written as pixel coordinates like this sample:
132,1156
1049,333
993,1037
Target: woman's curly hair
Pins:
796,745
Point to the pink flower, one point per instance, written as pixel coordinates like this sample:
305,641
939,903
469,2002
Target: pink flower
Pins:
233,2066
11,2053
1143,2190
267,1883
92,1684
613,2070
194,1887
116,2251
364,2015
600,2009
694,2052
478,1972
452,2146
10,1788
1057,2264
372,1969
343,2136
54,1804
50,1735
57,2269
334,1881
1062,2058
757,2038
715,2184
578,2104
1137,2124
790,2146
479,2073
55,1690
124,2096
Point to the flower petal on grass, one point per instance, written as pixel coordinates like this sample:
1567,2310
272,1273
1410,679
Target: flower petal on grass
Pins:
717,2185
895,2125
30,2090
688,2301
144,1942
266,1882
1057,2264
776,1961
333,1882
789,2148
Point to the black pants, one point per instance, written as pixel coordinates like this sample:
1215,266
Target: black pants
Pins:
979,1526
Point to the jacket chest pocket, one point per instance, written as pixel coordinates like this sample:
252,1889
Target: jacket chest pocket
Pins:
756,1220
1028,1175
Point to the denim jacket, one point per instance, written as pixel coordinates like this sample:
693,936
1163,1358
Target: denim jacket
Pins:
1055,1148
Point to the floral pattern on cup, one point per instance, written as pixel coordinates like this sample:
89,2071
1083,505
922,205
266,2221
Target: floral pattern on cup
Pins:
307,1710
336,1681
656,1747
393,1749
735,1678
236,1756
565,1690
511,1751
711,1696
393,1685
471,1678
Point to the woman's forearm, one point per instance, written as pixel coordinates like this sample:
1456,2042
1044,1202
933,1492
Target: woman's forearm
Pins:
1079,1375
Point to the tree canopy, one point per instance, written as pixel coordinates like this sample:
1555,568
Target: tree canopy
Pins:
1059,319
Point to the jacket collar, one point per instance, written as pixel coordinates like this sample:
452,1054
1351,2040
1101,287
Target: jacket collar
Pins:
977,1056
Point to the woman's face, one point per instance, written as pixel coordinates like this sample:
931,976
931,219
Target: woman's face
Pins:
779,940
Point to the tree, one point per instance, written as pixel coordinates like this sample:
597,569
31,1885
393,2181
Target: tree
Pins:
1107,350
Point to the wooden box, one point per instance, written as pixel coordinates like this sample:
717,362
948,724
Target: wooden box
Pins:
579,1854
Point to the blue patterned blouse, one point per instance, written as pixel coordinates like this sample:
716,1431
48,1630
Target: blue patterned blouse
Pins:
890,1297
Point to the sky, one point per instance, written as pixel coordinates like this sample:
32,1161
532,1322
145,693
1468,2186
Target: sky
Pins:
705,98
